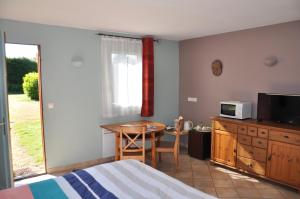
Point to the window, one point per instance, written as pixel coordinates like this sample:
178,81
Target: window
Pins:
127,77
121,63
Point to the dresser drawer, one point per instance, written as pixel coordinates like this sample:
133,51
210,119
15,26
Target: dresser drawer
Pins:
263,133
242,129
260,142
250,165
284,137
252,152
252,131
225,126
244,139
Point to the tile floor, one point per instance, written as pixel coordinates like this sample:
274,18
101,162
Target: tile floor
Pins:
222,182
33,179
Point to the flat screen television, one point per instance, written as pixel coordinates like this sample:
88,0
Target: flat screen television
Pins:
279,108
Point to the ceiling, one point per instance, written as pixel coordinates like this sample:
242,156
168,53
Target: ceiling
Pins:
166,19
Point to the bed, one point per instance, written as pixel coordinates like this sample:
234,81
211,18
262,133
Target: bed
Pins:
121,179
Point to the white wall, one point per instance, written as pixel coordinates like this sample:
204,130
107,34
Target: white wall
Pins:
72,132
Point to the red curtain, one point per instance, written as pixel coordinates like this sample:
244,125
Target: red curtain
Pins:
148,78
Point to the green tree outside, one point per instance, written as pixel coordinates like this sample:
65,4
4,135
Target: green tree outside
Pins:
17,68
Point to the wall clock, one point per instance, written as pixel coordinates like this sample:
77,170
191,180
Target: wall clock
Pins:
216,67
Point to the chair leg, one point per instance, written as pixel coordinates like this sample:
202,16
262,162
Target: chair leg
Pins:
176,159
117,146
159,157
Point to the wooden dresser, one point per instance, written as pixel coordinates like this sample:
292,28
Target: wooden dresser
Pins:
264,149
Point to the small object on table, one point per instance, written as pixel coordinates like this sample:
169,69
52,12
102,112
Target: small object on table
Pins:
151,127
199,144
168,128
202,128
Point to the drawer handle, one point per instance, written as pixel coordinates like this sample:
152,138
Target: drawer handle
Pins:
286,136
263,132
242,129
251,152
244,139
252,131
270,157
259,142
250,165
225,126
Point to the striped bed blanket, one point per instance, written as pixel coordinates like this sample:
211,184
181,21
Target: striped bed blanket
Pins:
122,179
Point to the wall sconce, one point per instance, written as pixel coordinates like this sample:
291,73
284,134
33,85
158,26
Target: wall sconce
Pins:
77,61
271,61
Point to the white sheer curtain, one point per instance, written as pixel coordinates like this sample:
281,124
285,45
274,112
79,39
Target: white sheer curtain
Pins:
121,84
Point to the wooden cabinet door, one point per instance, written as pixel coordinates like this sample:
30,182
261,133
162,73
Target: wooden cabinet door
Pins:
224,147
284,163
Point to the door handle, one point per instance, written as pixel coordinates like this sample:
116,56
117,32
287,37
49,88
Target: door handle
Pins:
2,123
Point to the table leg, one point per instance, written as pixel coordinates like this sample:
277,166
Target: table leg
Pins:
158,145
153,149
117,145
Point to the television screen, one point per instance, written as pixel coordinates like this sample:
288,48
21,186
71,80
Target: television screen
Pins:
279,108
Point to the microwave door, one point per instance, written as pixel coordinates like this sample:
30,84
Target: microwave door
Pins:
228,109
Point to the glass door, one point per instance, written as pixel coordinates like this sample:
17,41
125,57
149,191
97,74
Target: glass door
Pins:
5,160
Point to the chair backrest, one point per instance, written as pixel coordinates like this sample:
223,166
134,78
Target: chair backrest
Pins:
178,129
134,147
179,123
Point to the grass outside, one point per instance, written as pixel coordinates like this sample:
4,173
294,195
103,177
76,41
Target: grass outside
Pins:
27,145
22,108
30,137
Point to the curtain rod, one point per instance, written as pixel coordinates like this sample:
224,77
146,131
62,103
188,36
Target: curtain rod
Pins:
127,37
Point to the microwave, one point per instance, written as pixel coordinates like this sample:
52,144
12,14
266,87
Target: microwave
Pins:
236,109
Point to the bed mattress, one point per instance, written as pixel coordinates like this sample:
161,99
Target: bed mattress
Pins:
121,179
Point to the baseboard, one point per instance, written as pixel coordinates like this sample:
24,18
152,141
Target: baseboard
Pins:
81,165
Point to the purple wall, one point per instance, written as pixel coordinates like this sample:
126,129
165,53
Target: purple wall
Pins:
244,73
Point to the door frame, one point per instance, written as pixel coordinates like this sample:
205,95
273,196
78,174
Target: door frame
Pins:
9,178
39,69
39,65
